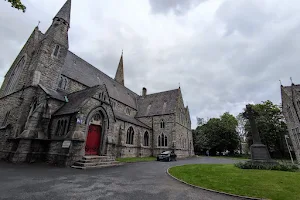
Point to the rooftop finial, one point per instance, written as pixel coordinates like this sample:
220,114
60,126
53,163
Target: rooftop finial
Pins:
38,23
291,81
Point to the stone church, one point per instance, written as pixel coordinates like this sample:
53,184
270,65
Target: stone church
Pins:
290,96
57,108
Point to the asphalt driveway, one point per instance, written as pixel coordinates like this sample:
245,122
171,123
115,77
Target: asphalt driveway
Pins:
133,181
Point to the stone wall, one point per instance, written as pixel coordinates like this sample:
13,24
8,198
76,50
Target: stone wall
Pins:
137,149
18,106
292,124
184,141
73,86
122,108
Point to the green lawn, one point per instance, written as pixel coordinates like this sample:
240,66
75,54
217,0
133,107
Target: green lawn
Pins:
275,185
136,159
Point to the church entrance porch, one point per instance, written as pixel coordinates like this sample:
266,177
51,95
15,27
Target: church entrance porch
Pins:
93,140
95,135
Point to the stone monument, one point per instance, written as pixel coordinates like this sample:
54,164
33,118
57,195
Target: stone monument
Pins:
259,151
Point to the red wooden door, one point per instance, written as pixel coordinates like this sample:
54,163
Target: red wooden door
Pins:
93,140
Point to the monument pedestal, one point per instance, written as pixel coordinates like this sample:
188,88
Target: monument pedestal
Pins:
260,154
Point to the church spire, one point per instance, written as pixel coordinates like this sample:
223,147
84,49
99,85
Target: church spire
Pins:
120,71
65,12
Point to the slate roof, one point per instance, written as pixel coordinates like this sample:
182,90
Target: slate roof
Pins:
126,118
158,103
54,94
76,101
83,72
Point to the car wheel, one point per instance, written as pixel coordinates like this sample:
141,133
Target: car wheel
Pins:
157,159
169,159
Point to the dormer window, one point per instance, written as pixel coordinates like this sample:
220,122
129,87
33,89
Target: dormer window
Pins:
56,51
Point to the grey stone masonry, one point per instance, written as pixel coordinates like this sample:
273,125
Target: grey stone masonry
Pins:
290,96
57,108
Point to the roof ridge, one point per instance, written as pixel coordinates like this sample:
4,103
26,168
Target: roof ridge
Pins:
88,88
114,81
160,92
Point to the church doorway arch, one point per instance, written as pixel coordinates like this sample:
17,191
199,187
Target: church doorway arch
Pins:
95,134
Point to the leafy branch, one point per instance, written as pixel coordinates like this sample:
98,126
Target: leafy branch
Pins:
17,4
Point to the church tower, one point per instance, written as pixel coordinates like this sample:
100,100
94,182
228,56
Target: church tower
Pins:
47,66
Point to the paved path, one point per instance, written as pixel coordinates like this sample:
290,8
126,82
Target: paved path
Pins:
133,181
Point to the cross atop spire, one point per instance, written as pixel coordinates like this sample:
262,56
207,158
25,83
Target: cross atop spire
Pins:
120,71
65,12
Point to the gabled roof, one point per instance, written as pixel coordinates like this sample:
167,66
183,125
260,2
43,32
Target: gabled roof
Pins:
76,100
158,103
83,72
132,120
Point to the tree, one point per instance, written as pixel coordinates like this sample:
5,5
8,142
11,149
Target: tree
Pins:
241,129
271,127
200,140
17,4
218,134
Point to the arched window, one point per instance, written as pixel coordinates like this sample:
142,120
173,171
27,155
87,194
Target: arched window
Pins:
130,135
166,141
61,127
159,140
146,139
162,124
56,51
15,75
162,140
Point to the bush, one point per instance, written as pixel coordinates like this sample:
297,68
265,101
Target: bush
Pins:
267,166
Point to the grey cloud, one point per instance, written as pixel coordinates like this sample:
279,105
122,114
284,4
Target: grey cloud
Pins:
179,7
246,17
217,72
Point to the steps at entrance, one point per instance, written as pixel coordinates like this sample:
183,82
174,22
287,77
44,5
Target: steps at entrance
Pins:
90,162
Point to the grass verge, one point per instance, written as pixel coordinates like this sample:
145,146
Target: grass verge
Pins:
136,159
233,157
275,185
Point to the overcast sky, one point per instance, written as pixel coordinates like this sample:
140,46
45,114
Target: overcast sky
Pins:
224,53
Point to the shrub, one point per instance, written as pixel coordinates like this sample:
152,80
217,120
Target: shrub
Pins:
267,166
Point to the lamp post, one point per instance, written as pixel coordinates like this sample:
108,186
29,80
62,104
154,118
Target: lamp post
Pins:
289,147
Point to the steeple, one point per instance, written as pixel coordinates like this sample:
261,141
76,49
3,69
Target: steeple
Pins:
65,12
120,71
58,31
